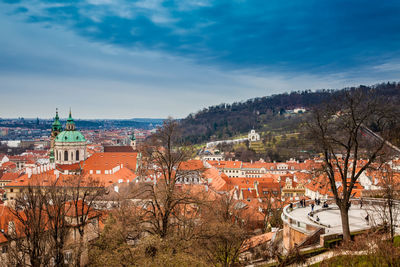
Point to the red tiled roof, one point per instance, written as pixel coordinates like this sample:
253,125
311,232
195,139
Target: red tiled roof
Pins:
121,149
109,160
223,164
217,182
256,241
9,165
9,176
191,165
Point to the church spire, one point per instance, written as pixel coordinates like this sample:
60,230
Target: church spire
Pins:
56,126
70,122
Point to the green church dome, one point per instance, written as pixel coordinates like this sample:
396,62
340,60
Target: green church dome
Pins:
70,136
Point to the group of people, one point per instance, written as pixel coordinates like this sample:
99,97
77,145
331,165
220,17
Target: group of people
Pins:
317,202
302,203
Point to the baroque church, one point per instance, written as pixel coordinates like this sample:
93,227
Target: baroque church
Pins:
67,146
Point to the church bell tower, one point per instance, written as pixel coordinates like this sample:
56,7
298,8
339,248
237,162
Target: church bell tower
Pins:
55,130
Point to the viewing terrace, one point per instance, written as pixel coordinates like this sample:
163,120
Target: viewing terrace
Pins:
302,227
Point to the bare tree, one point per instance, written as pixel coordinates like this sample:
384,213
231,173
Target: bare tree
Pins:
119,237
83,193
340,132
27,230
56,210
272,208
225,233
165,198
386,212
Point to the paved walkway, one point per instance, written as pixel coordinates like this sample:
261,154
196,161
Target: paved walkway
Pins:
332,217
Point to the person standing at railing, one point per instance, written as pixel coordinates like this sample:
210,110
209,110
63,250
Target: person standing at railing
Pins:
312,207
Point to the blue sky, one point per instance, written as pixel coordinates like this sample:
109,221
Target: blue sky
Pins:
153,58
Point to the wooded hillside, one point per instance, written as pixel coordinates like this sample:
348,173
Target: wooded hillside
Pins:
263,113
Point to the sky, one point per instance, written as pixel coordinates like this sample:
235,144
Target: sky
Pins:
152,58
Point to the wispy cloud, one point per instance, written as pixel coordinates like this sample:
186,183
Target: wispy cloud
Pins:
155,58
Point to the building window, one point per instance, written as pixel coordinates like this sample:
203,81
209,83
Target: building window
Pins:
67,257
66,155
77,155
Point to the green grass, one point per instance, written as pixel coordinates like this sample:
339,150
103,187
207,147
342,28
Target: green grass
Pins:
396,241
350,260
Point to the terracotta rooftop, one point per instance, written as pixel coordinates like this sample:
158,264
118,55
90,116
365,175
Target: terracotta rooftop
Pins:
121,149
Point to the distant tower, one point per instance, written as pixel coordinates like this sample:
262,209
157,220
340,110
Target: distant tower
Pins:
55,130
133,140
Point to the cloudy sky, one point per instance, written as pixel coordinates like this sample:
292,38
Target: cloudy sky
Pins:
153,58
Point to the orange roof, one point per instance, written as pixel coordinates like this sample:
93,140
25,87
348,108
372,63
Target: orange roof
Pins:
249,193
256,241
9,165
217,181
9,176
258,165
124,175
223,164
69,167
5,216
191,165
49,178
109,160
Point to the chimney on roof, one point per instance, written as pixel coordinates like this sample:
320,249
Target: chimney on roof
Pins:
57,173
29,172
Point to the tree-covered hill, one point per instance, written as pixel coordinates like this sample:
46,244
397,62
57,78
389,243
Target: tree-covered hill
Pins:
228,120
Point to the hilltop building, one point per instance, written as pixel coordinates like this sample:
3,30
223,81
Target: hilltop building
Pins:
253,136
